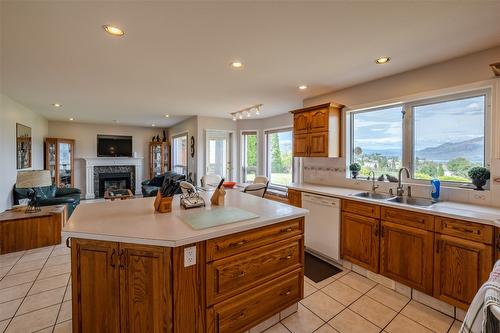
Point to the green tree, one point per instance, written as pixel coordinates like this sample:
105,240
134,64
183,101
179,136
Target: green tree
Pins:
459,166
252,150
276,164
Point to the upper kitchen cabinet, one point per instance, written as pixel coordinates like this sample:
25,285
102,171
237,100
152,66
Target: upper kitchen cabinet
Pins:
317,131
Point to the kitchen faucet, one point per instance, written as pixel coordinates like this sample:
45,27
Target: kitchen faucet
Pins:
374,187
400,190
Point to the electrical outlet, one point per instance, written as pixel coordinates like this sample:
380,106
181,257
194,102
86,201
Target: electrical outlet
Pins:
190,256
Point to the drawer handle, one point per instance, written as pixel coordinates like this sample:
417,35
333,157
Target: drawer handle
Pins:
237,244
242,314
289,229
239,275
286,293
67,242
286,258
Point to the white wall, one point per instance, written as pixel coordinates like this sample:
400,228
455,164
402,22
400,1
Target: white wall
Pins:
189,126
10,114
85,136
457,72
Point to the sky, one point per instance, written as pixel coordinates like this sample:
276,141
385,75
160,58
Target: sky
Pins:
435,124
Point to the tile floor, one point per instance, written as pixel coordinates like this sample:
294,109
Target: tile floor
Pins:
35,296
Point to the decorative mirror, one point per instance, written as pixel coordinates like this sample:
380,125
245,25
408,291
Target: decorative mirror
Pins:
23,146
192,146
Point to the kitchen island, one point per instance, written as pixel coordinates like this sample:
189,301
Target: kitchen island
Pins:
134,270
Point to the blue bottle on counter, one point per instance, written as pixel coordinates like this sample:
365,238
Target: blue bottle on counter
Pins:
435,189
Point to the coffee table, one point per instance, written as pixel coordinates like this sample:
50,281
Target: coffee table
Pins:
122,194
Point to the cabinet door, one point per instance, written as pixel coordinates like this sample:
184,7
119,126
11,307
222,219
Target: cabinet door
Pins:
406,255
360,240
146,305
318,120
318,144
301,145
295,198
460,268
96,286
300,123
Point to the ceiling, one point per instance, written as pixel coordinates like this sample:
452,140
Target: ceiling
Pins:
175,56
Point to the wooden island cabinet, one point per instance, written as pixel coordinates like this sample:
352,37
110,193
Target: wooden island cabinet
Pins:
237,281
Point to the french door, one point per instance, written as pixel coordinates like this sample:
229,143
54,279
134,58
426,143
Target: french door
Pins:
219,153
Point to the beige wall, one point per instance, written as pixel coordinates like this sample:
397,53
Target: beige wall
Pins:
10,114
448,75
189,126
85,136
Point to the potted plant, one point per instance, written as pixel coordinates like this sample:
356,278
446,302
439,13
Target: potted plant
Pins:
354,168
479,176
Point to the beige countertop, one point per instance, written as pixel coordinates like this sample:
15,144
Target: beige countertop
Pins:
468,212
135,221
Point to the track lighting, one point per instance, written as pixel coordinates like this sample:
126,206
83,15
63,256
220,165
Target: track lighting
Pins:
247,112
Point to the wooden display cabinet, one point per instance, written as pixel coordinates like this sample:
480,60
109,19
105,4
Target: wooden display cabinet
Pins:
159,158
60,161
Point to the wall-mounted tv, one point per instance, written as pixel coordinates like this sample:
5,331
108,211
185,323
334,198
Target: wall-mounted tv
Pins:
114,146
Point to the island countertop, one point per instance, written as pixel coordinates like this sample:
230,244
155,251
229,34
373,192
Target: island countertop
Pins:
135,221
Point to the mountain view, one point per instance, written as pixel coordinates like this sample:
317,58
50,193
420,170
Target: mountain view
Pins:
472,148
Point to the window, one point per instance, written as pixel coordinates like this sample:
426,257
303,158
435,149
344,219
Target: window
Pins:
377,140
248,156
448,138
436,138
279,156
180,154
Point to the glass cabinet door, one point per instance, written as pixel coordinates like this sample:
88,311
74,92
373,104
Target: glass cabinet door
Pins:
65,166
51,152
157,160
165,157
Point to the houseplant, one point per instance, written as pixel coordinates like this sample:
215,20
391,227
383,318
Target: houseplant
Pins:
479,176
354,168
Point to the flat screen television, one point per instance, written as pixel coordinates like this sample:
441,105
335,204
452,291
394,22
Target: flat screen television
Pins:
114,146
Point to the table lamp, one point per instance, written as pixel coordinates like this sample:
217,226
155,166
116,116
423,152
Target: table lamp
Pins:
32,179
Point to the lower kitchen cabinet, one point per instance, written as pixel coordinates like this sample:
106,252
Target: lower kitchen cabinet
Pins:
294,197
120,287
461,266
406,255
360,240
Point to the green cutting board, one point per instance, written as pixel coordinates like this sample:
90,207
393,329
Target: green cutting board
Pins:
208,218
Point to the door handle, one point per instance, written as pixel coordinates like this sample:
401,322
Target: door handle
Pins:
113,254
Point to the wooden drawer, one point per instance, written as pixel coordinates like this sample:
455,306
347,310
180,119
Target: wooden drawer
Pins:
463,229
244,311
361,208
409,218
238,273
233,244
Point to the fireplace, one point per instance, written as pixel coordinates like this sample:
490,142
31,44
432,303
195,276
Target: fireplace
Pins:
113,177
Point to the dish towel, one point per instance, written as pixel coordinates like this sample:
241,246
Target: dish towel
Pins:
479,318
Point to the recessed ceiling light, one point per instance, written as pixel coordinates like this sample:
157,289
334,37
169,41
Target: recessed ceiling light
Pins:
71,119
116,121
237,64
382,60
167,115
113,30
303,87
153,125
57,105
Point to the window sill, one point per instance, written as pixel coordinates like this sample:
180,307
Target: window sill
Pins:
417,183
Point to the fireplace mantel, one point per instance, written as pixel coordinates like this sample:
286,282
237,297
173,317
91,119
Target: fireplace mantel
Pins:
91,162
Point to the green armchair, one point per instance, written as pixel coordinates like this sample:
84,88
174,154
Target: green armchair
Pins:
51,195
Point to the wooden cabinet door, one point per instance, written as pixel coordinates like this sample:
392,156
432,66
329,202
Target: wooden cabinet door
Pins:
145,301
294,197
460,268
406,255
96,286
360,240
301,145
318,144
318,120
301,123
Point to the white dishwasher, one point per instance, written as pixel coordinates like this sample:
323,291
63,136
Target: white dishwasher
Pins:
322,227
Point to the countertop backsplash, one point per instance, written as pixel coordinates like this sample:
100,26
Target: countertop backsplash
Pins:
332,171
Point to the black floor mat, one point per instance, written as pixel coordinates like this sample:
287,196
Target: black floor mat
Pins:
317,269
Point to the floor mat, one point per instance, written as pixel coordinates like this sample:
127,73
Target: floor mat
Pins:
317,269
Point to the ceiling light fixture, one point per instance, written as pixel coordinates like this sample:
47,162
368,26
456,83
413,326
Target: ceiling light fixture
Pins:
303,87
237,64
246,112
382,60
71,119
57,105
113,30
167,115
153,125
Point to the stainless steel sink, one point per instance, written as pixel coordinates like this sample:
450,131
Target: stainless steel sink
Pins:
412,201
373,195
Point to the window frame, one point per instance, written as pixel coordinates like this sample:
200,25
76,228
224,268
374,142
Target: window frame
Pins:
408,123
268,131
180,135
243,133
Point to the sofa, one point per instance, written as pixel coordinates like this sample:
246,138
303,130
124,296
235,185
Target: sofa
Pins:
150,187
51,195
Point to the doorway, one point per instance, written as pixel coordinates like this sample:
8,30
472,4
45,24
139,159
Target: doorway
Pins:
219,157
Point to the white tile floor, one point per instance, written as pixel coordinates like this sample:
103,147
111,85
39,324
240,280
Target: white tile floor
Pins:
35,296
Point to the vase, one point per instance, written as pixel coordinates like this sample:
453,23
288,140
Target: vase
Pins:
479,183
354,174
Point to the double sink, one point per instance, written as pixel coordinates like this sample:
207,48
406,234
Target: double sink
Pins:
422,202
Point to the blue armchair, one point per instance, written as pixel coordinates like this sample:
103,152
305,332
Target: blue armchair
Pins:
51,195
